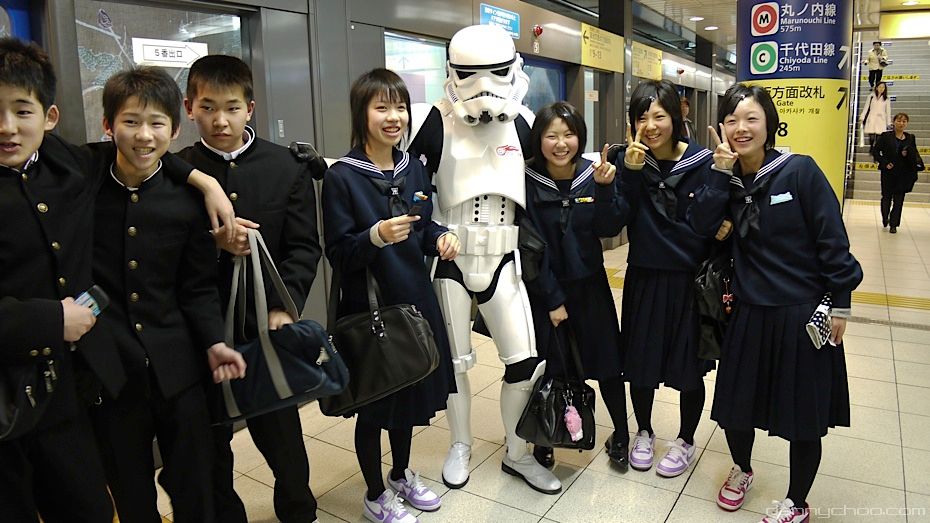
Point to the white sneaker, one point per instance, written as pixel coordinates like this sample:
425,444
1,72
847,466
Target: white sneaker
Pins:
642,454
455,469
388,508
412,489
676,460
786,512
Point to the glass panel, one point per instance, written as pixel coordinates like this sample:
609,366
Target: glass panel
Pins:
545,86
421,63
6,26
590,108
105,31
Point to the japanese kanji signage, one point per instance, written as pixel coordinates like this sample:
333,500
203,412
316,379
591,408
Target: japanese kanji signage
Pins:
794,39
166,53
798,50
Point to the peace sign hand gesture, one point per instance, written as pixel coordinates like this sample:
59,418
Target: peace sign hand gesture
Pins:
724,157
604,171
635,156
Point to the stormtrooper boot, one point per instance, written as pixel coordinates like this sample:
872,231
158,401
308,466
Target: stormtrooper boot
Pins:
518,461
458,412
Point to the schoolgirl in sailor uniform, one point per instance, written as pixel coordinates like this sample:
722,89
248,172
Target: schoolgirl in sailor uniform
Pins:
659,325
572,203
366,198
790,249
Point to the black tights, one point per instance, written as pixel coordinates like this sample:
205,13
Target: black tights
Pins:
368,451
690,405
614,393
804,462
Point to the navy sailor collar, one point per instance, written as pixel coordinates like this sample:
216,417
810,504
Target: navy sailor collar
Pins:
584,170
773,162
357,159
694,155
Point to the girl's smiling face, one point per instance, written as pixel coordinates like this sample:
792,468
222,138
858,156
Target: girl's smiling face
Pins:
745,128
387,121
655,126
559,144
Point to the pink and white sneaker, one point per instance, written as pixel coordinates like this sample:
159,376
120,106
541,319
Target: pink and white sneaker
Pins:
412,489
734,489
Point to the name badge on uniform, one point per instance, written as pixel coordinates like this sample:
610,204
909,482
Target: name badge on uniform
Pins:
585,199
781,198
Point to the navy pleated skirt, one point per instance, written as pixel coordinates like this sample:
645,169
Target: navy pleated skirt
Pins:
592,317
659,330
771,376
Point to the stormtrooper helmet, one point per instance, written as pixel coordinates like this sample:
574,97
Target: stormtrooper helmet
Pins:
485,80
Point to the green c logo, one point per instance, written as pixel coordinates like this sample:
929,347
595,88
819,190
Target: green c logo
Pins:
764,58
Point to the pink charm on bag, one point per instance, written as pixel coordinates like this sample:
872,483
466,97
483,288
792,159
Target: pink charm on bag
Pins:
573,423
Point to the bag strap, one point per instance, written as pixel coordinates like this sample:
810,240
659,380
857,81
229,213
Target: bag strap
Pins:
259,257
572,349
374,300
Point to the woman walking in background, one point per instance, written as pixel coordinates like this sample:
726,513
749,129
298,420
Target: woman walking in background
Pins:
896,153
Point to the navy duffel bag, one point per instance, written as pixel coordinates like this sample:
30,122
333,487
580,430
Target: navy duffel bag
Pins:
284,367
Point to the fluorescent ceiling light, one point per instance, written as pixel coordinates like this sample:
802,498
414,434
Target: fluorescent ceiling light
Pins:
911,2
711,28
696,18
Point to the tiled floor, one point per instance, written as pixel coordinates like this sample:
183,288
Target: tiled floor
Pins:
876,470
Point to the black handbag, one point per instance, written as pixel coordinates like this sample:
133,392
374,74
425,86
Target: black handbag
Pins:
714,298
294,364
25,393
543,420
532,248
386,349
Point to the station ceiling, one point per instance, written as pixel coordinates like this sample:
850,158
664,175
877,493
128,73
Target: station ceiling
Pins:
717,13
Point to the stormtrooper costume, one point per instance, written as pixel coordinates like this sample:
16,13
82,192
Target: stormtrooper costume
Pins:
473,141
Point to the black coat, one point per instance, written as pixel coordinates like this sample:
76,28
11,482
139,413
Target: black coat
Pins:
905,160
267,185
46,256
154,257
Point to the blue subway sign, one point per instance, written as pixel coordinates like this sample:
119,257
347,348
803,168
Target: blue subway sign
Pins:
507,20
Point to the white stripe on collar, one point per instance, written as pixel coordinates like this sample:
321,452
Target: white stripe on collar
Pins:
249,132
368,166
583,177
652,162
540,178
684,163
131,189
774,164
32,159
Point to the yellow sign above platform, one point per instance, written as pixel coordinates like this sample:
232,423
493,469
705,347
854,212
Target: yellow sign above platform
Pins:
601,49
647,61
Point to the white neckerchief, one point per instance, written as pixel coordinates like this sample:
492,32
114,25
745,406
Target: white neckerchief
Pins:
132,189
235,154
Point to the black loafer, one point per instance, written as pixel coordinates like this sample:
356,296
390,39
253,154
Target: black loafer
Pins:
894,230
545,456
618,453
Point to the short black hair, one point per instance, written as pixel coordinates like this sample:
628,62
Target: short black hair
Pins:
27,66
374,83
151,85
218,70
739,92
877,42
901,115
544,118
666,94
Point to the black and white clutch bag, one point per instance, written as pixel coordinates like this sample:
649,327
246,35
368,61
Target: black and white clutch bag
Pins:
818,327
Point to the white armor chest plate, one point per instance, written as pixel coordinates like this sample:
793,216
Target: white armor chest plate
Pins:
485,159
